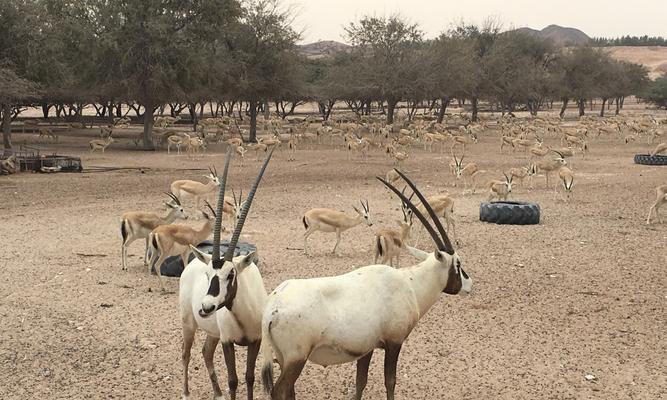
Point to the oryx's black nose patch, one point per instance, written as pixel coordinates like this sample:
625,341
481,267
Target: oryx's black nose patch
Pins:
214,287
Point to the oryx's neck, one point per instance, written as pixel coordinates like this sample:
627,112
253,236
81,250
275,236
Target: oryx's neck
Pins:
426,281
249,303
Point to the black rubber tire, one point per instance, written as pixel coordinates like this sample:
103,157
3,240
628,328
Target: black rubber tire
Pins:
647,159
510,212
173,266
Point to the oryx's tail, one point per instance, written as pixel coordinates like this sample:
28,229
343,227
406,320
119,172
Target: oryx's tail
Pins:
267,355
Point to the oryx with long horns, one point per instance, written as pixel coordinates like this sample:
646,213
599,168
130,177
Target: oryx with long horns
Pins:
340,319
224,296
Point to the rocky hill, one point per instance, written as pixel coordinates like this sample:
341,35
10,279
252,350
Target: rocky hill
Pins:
561,36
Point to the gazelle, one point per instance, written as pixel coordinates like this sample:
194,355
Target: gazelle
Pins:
661,199
341,319
225,297
659,149
185,189
463,141
566,177
99,144
47,133
256,147
175,140
549,165
291,148
500,189
469,171
328,220
398,156
389,242
173,240
240,150
522,173
506,141
443,206
138,225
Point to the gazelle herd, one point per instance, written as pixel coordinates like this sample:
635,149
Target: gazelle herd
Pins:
344,318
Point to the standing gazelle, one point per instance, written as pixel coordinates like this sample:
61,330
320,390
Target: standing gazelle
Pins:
388,242
328,220
174,240
661,198
500,189
185,188
137,225
468,171
225,297
344,318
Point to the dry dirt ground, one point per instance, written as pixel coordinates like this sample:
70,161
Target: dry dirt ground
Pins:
584,292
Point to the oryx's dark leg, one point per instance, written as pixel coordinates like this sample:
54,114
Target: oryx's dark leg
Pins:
284,388
253,350
391,352
208,351
362,373
230,361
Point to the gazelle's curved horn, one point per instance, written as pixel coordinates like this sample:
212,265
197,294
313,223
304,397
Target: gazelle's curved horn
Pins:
217,262
415,211
507,178
443,234
229,254
210,208
559,153
173,197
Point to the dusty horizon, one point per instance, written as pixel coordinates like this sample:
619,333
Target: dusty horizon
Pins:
322,20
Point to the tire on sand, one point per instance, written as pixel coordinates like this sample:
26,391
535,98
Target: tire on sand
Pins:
510,212
647,159
173,266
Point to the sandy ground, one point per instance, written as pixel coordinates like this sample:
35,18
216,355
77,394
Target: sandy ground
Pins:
584,292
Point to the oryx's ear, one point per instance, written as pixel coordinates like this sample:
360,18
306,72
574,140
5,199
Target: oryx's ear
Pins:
201,256
419,254
439,256
244,261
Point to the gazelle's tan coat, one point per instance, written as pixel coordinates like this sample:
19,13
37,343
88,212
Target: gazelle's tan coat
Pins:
328,220
661,199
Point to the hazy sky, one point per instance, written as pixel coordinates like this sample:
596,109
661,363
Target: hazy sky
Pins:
324,19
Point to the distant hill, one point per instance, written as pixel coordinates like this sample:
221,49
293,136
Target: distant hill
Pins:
560,35
652,57
321,49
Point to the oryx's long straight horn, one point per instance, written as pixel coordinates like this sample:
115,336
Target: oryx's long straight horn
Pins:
448,244
415,211
229,254
217,262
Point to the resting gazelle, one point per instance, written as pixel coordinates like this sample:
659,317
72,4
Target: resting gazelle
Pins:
344,318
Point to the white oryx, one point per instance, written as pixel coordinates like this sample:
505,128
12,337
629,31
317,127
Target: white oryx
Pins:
225,297
340,319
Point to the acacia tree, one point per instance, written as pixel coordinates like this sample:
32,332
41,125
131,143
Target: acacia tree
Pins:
262,47
387,47
147,48
449,62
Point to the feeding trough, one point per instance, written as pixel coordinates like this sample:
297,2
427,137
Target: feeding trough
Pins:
173,266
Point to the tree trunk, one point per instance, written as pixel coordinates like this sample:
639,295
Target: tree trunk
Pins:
267,110
7,126
45,110
618,105
475,108
149,110
253,121
444,102
582,106
604,102
565,100
391,106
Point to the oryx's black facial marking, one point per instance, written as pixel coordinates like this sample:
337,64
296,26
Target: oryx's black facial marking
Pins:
454,282
214,287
